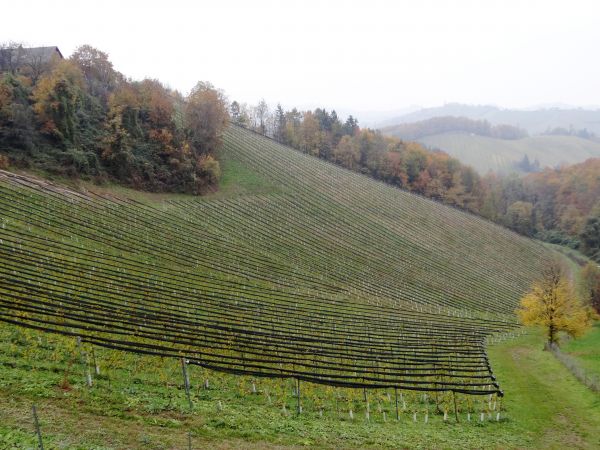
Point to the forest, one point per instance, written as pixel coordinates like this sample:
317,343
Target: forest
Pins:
80,117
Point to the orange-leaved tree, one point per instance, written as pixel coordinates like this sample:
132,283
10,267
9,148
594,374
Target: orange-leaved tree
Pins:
551,303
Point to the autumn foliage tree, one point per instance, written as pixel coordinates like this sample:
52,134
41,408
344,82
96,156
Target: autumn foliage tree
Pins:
17,121
100,76
552,304
55,100
206,117
590,235
558,205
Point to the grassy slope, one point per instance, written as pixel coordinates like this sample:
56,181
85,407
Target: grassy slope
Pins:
547,403
587,350
236,181
484,153
134,405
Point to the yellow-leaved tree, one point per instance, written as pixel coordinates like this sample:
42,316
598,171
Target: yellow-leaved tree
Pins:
551,303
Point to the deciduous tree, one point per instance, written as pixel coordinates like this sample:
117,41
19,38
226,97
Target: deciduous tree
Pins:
98,71
206,117
590,237
551,303
56,98
590,283
519,217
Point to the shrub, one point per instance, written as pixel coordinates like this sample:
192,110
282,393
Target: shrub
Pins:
4,162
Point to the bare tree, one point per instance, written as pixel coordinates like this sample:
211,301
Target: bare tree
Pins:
11,56
261,113
31,62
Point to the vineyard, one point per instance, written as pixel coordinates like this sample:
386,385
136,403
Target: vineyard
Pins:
312,273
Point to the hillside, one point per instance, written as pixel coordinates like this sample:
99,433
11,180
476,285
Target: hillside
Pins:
485,153
296,271
534,121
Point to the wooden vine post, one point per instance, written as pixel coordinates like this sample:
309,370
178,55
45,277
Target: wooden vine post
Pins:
298,407
397,411
87,376
455,407
186,381
96,366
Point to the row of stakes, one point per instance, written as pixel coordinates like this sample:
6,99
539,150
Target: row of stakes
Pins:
186,379
187,385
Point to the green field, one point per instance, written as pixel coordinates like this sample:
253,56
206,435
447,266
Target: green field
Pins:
486,153
296,271
586,350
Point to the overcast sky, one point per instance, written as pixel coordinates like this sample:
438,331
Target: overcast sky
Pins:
349,55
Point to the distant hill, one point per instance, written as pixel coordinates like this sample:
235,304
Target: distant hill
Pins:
490,138
534,121
454,124
500,155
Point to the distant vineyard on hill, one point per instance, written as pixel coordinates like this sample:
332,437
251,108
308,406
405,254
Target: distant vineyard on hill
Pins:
312,272
501,155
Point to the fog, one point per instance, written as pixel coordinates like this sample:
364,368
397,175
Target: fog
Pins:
354,56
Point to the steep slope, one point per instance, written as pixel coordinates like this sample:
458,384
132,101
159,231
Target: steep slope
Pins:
311,272
434,254
499,155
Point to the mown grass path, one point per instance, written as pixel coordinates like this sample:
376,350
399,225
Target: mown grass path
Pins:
548,406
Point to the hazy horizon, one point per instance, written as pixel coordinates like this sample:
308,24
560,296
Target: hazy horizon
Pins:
350,56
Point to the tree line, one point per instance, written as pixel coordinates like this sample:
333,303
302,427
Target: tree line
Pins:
571,131
80,117
451,124
558,205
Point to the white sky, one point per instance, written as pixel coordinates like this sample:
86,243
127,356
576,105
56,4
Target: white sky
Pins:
348,55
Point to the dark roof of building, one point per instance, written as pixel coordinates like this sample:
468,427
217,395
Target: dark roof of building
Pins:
13,59
41,54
